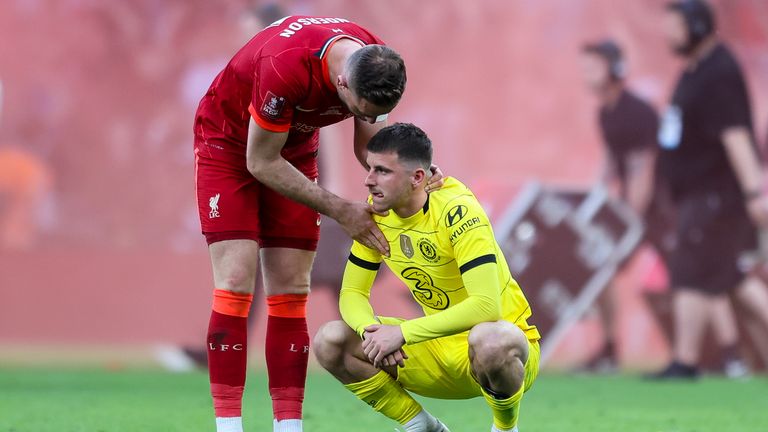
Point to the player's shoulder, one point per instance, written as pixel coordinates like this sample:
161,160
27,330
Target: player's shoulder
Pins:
310,34
453,197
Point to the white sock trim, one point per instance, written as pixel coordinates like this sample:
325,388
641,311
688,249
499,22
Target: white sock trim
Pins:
229,424
422,422
289,425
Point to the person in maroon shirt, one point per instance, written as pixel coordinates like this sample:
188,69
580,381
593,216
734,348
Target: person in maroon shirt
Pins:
628,127
256,144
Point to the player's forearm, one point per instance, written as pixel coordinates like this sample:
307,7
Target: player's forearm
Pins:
285,179
356,310
456,319
745,163
354,299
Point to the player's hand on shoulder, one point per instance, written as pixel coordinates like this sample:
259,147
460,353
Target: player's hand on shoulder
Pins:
436,180
356,220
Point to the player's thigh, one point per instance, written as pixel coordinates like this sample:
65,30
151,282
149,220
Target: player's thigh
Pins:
227,197
286,270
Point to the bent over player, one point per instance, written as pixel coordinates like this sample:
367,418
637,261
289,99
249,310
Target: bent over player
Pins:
256,144
474,338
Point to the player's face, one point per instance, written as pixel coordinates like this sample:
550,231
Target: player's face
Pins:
595,71
362,108
675,31
388,181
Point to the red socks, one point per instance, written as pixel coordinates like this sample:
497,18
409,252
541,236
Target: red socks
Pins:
227,351
287,352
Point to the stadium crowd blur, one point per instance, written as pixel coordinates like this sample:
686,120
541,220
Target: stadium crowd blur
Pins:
97,101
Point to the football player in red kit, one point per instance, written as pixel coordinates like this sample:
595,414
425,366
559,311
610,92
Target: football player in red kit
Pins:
256,144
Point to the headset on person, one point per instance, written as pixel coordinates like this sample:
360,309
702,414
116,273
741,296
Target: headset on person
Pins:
699,19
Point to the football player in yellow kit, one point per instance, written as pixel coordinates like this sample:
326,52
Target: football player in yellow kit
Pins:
474,338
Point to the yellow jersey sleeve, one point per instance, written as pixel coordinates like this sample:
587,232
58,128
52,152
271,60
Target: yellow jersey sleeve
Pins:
466,226
354,299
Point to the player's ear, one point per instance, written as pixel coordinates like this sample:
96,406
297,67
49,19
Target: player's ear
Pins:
342,82
418,177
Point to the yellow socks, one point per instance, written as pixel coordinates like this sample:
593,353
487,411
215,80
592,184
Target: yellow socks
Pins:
386,396
505,411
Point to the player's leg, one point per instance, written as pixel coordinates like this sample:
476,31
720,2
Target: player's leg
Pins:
289,237
286,274
498,355
234,268
698,271
339,350
604,360
753,295
227,203
727,335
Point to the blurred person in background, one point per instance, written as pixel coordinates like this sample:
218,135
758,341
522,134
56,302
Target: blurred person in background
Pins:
256,145
628,126
709,159
25,187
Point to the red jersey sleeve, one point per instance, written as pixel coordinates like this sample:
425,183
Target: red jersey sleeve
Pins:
277,89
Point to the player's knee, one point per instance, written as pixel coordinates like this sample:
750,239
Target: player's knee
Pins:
494,345
240,280
282,282
329,343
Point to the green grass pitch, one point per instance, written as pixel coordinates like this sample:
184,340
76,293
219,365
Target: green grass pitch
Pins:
34,400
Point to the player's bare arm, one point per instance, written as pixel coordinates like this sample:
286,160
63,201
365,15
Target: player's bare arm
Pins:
265,162
738,146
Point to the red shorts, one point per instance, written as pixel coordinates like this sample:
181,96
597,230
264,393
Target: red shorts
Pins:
234,205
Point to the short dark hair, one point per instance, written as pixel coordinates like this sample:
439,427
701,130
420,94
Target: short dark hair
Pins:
377,74
408,141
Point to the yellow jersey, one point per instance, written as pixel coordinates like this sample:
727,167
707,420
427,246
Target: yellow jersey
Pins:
447,256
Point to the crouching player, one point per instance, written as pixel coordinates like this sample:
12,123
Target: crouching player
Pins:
474,338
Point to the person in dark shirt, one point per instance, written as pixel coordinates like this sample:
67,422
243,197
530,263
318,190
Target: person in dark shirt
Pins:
628,126
709,160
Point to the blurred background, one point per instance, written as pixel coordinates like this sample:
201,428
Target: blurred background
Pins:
101,257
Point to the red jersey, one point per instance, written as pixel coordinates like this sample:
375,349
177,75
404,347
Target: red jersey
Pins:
281,78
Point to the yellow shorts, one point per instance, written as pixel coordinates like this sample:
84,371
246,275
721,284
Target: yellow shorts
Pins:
439,368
